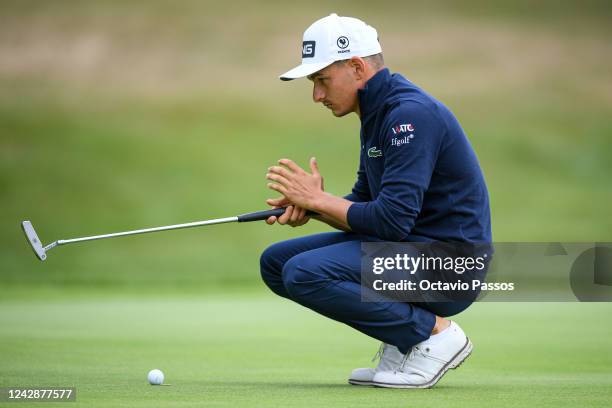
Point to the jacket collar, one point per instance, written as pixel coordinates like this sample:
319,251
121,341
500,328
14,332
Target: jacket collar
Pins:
374,93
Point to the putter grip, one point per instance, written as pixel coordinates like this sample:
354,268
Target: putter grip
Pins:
264,215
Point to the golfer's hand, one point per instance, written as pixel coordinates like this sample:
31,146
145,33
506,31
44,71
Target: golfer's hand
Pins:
293,216
299,187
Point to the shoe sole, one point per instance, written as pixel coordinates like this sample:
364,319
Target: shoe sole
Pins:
455,362
359,382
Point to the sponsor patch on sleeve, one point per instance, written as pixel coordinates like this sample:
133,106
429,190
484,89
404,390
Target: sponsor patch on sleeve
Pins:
402,134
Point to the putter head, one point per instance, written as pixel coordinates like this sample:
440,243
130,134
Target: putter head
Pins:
33,239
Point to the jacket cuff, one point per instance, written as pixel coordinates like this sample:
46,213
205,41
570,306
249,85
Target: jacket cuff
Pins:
357,219
352,197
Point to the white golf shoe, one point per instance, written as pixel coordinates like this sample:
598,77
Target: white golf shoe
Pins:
390,359
428,361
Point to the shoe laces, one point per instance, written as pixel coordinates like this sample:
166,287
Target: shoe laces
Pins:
380,352
409,356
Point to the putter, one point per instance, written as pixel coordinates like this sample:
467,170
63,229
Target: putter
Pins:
41,251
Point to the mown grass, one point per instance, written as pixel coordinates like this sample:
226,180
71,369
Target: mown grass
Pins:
259,350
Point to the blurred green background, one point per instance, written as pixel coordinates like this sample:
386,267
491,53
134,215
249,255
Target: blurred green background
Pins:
117,115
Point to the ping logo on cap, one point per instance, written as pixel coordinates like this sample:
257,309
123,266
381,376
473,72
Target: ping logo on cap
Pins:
308,49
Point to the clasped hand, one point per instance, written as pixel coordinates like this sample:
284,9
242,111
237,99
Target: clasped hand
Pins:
300,191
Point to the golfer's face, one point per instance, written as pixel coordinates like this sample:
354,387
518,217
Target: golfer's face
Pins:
335,87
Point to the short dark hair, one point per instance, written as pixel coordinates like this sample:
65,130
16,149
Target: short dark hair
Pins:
376,61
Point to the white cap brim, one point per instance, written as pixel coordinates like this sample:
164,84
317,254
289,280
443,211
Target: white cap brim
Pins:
304,70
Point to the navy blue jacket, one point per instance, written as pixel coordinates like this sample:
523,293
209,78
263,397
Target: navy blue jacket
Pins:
419,178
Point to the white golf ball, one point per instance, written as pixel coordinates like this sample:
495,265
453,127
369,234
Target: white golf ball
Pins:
156,377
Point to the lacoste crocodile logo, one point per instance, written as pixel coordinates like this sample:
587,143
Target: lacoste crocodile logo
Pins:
372,152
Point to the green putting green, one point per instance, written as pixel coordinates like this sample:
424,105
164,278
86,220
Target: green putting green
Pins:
257,350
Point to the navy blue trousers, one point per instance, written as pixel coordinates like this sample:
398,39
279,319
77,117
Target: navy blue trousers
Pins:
323,271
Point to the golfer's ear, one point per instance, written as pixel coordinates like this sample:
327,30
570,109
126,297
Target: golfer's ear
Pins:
358,65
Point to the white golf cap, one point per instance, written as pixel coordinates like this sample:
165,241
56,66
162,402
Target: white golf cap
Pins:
331,39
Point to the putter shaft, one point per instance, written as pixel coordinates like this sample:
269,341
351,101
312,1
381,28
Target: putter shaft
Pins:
41,251
141,231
